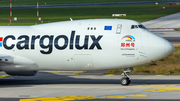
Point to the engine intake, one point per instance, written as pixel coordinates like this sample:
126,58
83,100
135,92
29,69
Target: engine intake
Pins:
22,73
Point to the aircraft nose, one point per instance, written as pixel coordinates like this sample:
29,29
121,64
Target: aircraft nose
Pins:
157,47
169,48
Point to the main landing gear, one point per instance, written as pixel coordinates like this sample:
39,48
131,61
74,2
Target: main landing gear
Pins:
126,79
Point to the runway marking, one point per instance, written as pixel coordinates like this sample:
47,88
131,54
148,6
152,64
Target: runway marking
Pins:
116,97
91,73
2,76
76,72
155,85
159,75
79,97
55,72
137,95
165,89
109,74
63,98
80,73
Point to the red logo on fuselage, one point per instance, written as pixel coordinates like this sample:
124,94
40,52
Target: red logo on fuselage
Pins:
127,44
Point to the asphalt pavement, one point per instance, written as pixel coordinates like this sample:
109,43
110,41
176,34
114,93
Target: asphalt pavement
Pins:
46,86
170,21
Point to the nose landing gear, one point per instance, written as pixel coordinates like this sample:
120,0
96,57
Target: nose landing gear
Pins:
126,79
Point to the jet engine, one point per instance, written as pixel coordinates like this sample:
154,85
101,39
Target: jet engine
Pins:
22,73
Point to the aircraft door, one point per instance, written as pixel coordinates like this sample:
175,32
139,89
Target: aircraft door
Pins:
118,30
131,48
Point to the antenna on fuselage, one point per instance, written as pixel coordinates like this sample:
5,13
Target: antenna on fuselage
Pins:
71,19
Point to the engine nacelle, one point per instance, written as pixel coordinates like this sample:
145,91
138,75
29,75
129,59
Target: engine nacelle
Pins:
22,73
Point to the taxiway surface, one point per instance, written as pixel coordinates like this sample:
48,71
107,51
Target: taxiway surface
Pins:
170,21
55,86
171,36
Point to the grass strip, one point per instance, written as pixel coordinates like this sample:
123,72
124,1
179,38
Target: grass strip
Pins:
177,29
4,3
135,12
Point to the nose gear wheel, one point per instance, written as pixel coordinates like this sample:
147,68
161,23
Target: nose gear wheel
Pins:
126,79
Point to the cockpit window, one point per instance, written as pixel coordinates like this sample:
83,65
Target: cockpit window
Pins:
141,26
138,26
134,26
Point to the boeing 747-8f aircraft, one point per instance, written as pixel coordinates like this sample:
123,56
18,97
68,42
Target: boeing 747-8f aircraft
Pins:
99,44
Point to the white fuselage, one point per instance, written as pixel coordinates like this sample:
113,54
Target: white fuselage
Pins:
80,45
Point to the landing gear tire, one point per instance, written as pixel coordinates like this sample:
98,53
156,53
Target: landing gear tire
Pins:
125,81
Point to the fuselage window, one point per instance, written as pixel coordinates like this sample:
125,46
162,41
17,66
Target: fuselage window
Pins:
118,30
91,28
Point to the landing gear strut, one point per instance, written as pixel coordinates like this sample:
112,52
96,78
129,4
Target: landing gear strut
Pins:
126,79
